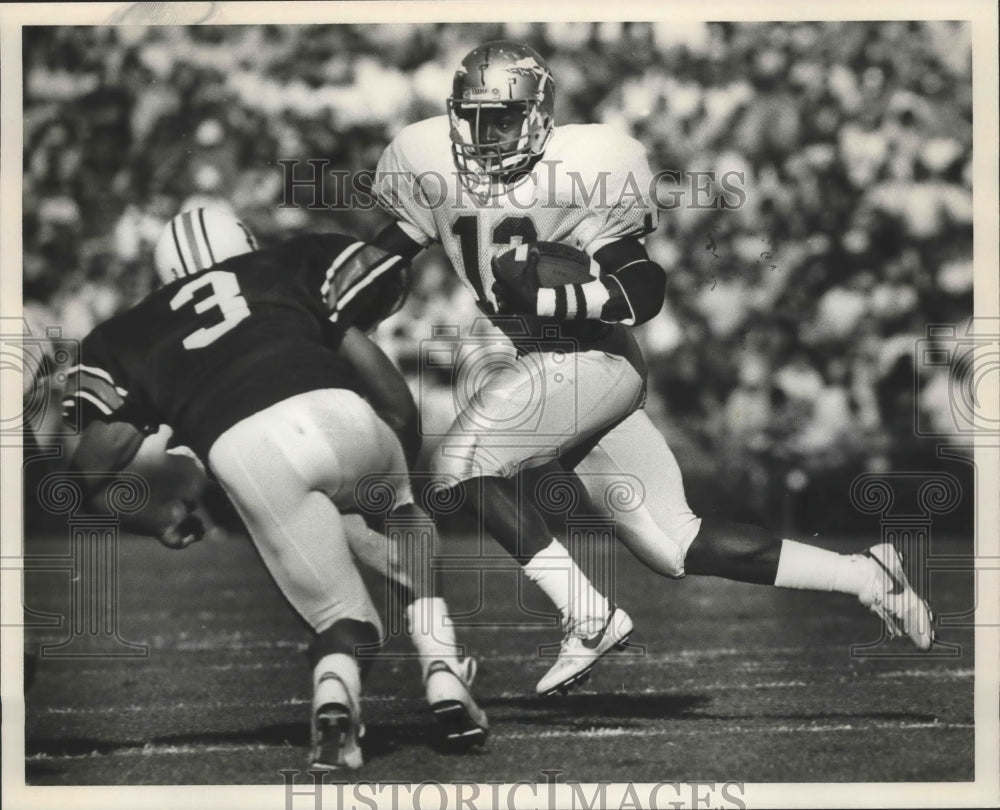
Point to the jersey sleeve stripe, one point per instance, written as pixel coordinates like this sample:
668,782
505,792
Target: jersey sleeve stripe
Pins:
99,373
373,275
337,263
637,261
631,318
106,393
97,402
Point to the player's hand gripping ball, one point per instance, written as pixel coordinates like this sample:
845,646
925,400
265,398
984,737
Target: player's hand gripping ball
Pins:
521,271
189,529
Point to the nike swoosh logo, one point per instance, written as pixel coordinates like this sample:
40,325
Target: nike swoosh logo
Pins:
591,642
897,587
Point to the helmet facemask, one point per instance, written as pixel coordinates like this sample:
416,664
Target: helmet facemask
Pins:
500,112
484,149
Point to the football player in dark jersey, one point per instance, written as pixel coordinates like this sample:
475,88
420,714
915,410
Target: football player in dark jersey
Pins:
513,177
289,407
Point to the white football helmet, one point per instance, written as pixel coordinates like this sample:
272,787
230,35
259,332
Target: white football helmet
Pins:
197,239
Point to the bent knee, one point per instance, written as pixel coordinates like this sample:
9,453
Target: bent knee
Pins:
322,615
465,456
662,549
460,458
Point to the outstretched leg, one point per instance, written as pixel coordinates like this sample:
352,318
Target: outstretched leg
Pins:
658,526
739,551
876,577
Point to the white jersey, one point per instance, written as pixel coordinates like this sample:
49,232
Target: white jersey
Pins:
591,188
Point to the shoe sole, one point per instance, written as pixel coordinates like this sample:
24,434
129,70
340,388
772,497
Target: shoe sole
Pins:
457,723
333,730
583,675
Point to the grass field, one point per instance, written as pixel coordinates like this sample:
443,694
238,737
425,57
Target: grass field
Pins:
724,682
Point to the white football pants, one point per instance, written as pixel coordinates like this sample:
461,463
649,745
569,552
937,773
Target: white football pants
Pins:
289,470
535,408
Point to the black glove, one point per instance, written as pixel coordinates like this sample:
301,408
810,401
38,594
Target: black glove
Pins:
516,285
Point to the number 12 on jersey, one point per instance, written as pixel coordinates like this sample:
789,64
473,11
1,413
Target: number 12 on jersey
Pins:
466,228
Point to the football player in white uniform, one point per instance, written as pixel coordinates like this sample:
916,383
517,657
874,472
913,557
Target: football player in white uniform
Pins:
493,173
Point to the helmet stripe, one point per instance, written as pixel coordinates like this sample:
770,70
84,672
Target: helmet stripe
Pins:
246,232
204,232
180,254
192,241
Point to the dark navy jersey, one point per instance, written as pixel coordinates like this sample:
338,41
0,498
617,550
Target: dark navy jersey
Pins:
209,350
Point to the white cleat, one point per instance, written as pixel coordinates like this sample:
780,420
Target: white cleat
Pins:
461,719
336,727
893,600
579,653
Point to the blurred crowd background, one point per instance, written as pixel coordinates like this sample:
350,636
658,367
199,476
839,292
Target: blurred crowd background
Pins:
784,361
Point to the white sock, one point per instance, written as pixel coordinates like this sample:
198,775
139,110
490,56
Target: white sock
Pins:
432,632
811,568
556,573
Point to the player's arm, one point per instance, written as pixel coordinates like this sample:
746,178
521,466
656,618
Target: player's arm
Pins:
106,447
372,272
386,388
110,439
628,287
399,239
368,282
634,283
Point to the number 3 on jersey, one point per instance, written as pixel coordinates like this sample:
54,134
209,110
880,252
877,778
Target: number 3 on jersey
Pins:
225,297
466,228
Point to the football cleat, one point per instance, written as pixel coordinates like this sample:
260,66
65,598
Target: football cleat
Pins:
579,653
336,727
460,718
891,598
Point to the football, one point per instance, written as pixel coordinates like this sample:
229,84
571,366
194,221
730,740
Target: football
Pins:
558,264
